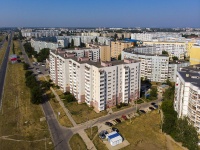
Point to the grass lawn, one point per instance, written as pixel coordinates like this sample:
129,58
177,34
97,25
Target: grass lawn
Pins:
82,112
121,108
98,143
19,118
63,119
77,143
2,51
140,101
144,133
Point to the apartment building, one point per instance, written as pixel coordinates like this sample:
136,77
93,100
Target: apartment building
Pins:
178,49
99,84
187,94
59,68
161,36
174,67
195,54
38,45
93,53
153,67
29,33
105,53
117,47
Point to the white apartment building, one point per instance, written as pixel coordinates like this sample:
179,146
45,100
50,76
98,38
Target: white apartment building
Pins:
174,67
111,83
155,36
99,84
92,53
39,33
153,67
187,94
38,45
178,49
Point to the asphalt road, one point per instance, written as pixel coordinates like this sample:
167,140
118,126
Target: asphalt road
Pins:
59,134
3,69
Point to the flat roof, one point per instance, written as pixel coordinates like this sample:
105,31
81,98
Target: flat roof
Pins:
128,50
191,74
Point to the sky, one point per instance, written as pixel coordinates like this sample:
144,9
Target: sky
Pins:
100,13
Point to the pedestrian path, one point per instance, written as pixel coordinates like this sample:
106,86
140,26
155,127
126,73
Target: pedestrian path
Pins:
87,141
62,105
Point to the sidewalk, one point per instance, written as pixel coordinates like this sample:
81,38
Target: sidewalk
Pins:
87,141
63,106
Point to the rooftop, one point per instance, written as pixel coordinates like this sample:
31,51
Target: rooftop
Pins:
191,74
131,50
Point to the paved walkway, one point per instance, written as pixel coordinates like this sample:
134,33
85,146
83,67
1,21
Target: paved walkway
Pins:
82,133
62,105
87,141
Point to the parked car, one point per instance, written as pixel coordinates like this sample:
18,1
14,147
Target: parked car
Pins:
153,103
115,129
108,124
118,120
151,108
156,106
124,117
102,134
142,111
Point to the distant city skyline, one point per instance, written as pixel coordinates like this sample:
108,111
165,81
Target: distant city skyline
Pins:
104,13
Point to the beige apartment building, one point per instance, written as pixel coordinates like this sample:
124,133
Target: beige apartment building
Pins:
105,53
99,84
117,47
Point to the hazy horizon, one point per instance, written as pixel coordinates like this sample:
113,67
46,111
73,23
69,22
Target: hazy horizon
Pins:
104,13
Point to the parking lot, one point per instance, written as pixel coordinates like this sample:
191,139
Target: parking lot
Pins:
40,68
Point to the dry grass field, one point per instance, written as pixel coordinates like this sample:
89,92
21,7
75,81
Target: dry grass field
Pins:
20,125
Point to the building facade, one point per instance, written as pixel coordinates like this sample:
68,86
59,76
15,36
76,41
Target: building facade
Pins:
195,54
99,84
187,94
117,47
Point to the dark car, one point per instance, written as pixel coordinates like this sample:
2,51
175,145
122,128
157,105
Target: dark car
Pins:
115,129
151,108
118,120
153,103
108,124
156,106
142,111
102,134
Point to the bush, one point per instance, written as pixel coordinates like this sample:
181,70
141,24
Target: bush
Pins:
26,66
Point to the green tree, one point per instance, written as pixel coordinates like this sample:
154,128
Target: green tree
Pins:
28,73
26,66
153,92
72,43
36,95
174,58
122,36
119,57
165,53
115,36
70,98
96,40
31,81
43,54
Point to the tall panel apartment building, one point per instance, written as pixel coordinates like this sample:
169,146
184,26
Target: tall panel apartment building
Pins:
117,47
105,53
187,94
153,67
99,84
111,83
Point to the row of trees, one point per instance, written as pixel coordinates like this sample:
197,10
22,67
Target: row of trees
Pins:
29,50
37,89
177,128
41,56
